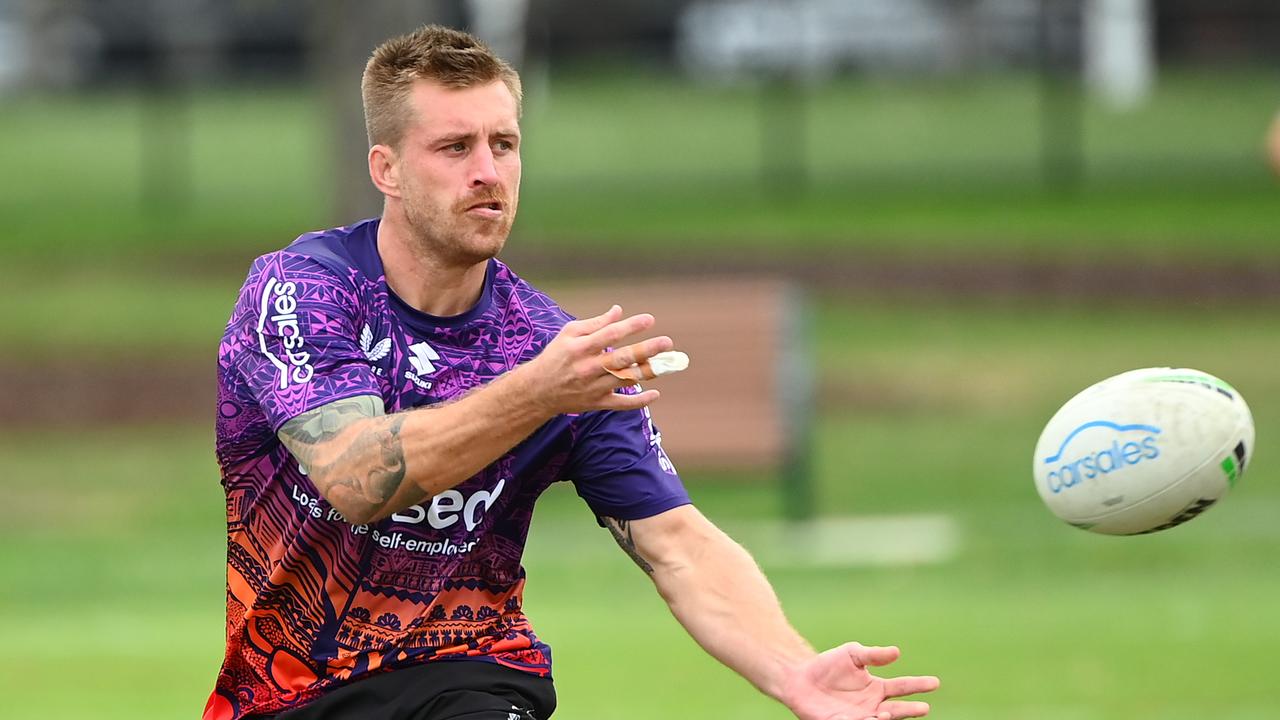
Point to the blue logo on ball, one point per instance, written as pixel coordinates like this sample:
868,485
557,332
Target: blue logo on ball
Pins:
1119,456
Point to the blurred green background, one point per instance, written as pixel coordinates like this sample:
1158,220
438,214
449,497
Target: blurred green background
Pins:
1118,238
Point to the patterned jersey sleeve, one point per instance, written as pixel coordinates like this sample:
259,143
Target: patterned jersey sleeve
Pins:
619,467
295,341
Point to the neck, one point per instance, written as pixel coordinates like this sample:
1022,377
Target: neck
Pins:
426,281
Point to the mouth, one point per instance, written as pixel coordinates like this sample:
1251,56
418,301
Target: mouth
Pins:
488,209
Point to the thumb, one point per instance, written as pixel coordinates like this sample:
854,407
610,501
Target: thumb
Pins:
871,655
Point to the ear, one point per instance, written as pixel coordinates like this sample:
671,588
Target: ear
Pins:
384,170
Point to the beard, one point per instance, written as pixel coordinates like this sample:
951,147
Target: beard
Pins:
450,235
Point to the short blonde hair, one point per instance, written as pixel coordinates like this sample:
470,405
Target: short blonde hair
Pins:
450,57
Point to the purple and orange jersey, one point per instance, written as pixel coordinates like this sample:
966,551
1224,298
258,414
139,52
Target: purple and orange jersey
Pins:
313,601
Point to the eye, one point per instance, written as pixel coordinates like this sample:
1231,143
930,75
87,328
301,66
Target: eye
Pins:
458,147
504,145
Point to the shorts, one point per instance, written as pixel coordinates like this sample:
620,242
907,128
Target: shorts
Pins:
441,690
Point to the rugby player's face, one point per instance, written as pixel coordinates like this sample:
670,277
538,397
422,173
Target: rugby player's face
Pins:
460,169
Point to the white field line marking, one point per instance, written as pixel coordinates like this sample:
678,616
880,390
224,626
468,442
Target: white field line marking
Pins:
852,541
839,541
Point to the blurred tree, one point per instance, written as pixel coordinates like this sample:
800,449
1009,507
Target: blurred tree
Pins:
1061,112
187,41
60,46
343,34
964,42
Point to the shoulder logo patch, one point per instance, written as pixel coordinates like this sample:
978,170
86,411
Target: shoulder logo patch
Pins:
373,352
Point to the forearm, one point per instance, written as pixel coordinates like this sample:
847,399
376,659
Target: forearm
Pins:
369,465
445,445
720,596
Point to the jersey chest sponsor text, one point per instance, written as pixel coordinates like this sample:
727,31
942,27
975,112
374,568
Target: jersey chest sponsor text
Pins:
278,317
451,507
446,509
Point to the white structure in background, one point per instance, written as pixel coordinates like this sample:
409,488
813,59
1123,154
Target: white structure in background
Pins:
742,37
13,54
735,38
500,24
1119,51
56,47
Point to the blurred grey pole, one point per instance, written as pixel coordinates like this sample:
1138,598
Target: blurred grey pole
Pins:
165,143
796,389
784,133
964,40
187,40
343,35
1061,111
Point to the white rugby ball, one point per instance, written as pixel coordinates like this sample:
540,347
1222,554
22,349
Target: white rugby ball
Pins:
1143,451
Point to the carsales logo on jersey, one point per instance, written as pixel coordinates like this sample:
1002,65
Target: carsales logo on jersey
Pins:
280,306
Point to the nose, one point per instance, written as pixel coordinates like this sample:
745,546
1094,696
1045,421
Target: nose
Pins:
483,170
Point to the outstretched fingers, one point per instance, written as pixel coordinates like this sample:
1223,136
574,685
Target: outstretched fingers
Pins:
586,326
910,685
589,367
631,362
609,334
893,710
898,709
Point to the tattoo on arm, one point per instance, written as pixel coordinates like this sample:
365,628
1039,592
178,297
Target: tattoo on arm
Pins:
621,530
356,467
327,421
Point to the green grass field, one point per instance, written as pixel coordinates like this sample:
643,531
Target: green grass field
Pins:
114,545
922,167
113,601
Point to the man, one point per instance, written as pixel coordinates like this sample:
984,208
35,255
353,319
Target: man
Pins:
393,400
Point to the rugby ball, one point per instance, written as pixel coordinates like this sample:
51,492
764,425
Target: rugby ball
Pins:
1143,451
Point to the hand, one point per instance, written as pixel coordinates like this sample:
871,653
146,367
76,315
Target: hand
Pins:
836,685
1273,144
570,374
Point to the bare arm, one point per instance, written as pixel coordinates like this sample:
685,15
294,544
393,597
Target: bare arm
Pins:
369,465
720,596
716,591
